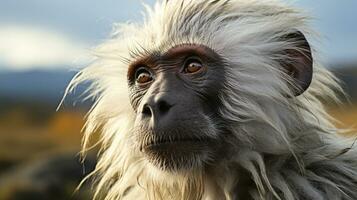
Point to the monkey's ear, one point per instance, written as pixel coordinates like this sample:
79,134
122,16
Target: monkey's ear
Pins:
299,64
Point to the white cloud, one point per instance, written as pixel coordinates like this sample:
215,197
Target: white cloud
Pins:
24,47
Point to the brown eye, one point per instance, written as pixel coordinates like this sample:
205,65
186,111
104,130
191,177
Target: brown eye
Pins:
143,76
193,65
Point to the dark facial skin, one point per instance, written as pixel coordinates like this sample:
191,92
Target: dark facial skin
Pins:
175,95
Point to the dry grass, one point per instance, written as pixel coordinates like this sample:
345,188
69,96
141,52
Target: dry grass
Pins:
346,117
21,141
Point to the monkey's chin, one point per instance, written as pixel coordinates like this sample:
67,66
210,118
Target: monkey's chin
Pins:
178,156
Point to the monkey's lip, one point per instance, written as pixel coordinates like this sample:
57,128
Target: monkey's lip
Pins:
175,144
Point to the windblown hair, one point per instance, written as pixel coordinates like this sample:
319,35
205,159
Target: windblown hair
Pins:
286,147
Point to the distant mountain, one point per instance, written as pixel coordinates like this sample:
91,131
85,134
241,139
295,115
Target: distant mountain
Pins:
347,73
44,86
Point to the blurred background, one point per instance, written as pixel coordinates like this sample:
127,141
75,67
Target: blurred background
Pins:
43,44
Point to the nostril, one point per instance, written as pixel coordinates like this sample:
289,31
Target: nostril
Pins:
164,107
146,110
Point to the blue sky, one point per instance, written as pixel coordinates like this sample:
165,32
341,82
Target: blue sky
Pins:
58,33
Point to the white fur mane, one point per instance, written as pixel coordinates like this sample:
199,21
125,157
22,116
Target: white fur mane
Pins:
287,145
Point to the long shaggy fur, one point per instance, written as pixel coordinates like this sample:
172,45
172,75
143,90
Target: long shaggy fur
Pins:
285,147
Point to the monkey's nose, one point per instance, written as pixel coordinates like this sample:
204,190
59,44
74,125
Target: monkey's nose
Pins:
156,108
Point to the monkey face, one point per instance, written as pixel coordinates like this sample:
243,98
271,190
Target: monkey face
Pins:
175,96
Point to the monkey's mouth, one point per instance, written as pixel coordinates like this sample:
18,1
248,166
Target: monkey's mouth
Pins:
176,153
174,144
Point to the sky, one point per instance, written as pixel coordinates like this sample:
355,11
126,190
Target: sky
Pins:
38,34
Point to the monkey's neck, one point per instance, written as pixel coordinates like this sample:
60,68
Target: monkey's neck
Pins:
311,174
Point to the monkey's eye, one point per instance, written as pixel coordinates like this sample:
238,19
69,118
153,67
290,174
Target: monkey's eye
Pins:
192,65
143,76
